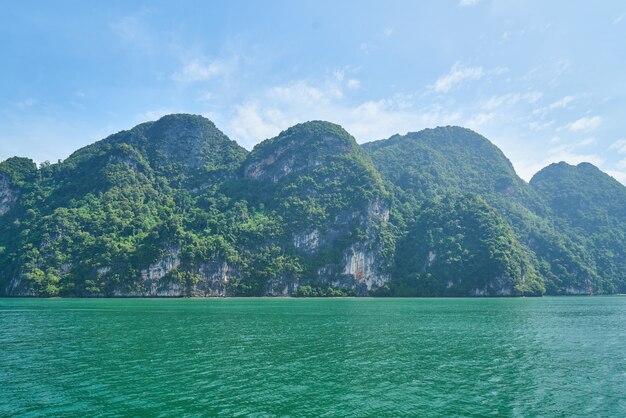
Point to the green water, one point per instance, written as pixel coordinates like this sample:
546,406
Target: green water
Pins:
313,357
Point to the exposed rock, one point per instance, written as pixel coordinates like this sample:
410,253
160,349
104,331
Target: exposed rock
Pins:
307,241
8,194
160,268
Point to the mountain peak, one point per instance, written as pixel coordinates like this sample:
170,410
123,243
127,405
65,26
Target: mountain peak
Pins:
176,143
562,170
447,157
310,144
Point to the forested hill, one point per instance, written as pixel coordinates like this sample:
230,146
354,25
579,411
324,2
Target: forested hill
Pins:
176,208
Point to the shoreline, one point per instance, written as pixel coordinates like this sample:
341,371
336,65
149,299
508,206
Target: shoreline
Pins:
308,297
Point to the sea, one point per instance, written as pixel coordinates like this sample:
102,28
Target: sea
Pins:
291,357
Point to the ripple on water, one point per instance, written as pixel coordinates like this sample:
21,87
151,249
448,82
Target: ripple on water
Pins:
297,357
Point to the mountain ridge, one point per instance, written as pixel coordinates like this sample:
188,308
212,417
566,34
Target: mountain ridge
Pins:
176,208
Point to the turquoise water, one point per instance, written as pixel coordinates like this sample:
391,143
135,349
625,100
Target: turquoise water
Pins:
313,357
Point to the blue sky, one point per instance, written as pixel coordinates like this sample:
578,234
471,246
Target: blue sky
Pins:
545,81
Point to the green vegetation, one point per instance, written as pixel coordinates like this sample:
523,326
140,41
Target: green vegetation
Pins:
591,207
460,247
450,162
175,208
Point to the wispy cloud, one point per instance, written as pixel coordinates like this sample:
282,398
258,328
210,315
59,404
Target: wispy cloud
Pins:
457,75
541,126
619,146
467,3
510,99
354,84
619,19
571,154
199,70
562,103
585,124
479,120
618,175
155,114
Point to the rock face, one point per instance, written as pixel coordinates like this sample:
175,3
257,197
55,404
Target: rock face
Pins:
318,168
303,148
8,195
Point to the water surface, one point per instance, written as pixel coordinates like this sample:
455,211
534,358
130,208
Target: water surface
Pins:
313,357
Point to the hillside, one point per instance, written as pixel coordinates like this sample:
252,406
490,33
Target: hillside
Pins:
591,206
450,162
176,208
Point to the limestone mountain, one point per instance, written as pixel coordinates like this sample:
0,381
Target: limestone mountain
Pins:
176,208
451,162
331,202
134,215
591,206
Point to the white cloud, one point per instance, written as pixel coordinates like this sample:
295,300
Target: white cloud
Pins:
571,153
510,99
619,18
155,114
562,103
466,3
380,119
457,75
573,158
621,164
479,120
528,168
276,108
618,175
460,73
199,70
354,84
303,93
619,146
586,142
539,126
252,123
498,71
585,124
532,96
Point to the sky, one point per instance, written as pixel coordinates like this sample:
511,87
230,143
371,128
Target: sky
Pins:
544,81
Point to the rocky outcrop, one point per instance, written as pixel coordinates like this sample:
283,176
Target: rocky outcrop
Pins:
8,194
307,241
299,149
319,167
157,270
